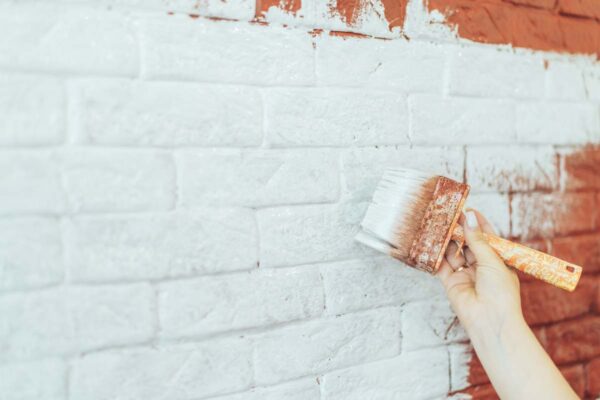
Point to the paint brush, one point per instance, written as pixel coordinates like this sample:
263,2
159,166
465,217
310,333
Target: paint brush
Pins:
414,215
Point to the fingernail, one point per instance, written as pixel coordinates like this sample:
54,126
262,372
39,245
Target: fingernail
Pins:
472,220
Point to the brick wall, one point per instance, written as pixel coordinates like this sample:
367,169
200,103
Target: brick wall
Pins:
181,181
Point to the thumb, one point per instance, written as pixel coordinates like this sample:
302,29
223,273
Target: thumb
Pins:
476,242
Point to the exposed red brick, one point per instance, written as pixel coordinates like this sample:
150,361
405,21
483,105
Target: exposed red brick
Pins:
395,12
581,8
574,213
348,34
575,340
546,4
540,244
477,375
531,29
289,6
597,212
471,19
596,305
583,250
582,169
482,392
593,378
575,375
315,32
533,24
350,11
581,36
543,303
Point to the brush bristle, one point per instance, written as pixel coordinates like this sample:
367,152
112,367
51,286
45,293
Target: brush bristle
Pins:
394,216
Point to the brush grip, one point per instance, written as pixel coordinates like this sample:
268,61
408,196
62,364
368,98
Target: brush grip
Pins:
541,266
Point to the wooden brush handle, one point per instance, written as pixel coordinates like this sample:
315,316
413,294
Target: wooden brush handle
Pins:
532,262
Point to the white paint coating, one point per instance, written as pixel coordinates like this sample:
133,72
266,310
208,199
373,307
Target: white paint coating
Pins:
179,196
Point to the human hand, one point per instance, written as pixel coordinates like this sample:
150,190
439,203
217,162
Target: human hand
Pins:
483,291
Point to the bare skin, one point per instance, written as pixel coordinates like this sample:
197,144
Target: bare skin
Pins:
485,295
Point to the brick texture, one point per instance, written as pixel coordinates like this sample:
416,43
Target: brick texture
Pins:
181,183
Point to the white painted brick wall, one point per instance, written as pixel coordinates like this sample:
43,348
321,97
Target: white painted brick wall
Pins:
51,38
446,121
31,254
253,299
180,48
314,347
33,110
179,195
165,113
22,380
155,246
327,117
173,372
258,177
414,374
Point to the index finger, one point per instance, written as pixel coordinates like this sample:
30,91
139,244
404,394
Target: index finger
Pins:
484,224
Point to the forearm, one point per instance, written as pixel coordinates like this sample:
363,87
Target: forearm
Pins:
516,363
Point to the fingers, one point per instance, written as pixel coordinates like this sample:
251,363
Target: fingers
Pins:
481,250
484,224
470,257
444,272
454,256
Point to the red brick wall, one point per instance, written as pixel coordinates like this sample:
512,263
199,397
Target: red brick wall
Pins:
567,324
560,25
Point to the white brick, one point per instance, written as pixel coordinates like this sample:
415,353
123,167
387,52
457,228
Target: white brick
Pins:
162,245
71,320
532,215
182,372
303,389
77,40
556,123
124,112
428,324
184,48
362,168
33,110
119,180
399,64
447,121
318,346
335,117
591,76
363,284
512,168
564,81
34,380
496,209
305,234
258,177
30,253
413,375
490,72
233,9
460,358
29,183
247,300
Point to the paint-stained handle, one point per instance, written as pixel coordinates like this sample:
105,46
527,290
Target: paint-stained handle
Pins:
535,263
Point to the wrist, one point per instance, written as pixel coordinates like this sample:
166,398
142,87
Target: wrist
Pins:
490,331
